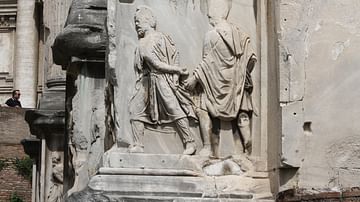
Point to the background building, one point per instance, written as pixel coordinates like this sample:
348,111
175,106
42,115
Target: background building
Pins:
27,30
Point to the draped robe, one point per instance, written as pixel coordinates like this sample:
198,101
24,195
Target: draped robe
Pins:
158,97
224,72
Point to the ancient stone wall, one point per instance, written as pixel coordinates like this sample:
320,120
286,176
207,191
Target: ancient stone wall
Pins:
319,77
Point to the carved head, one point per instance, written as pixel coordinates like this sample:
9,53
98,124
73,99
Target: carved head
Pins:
144,20
55,158
218,11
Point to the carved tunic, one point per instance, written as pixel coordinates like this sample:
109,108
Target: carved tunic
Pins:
224,72
158,97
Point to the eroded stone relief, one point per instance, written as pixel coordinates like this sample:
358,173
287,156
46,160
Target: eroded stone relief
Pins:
219,88
225,75
159,97
179,101
56,188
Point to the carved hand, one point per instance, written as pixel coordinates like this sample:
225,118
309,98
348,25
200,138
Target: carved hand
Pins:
184,71
190,83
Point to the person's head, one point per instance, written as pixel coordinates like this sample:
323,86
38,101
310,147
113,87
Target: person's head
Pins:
144,20
218,11
16,94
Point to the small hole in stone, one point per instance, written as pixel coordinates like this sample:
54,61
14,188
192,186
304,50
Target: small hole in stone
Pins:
285,19
285,89
163,161
294,113
307,127
120,160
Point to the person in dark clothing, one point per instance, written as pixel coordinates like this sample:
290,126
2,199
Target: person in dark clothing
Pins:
14,101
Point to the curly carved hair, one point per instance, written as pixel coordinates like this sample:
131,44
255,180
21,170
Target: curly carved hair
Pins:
147,14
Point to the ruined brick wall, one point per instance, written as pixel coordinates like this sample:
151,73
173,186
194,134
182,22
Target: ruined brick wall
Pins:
13,129
11,182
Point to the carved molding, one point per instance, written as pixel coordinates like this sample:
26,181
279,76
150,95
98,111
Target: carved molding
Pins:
6,82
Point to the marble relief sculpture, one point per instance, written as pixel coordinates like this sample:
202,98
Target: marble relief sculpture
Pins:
56,188
158,96
224,79
224,75
184,125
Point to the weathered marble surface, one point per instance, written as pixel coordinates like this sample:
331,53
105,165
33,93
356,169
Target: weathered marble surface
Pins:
86,123
192,24
305,136
123,40
138,188
79,48
84,33
162,171
318,44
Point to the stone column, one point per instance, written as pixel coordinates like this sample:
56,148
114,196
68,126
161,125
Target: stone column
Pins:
26,53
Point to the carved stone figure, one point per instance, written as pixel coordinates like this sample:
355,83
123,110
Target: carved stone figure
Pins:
224,75
158,98
56,188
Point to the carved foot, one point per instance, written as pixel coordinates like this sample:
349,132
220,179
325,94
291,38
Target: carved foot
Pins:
189,148
206,151
136,149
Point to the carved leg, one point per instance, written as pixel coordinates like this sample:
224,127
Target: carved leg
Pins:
183,128
137,128
206,131
243,123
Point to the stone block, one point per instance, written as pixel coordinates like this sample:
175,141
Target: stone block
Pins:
115,159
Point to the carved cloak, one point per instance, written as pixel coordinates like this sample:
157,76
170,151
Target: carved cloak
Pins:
158,98
224,72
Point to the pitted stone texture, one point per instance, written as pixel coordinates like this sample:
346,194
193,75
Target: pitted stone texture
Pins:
87,123
320,38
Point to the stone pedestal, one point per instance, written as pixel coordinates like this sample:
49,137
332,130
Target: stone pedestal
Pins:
166,177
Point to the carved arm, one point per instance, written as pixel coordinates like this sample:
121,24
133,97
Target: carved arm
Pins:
163,67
